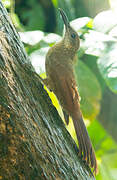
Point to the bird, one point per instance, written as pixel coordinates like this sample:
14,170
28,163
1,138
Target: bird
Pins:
59,65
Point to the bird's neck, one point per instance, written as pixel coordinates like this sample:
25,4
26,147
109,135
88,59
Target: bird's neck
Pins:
66,50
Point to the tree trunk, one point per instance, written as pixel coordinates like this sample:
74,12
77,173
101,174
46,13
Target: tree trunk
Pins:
34,143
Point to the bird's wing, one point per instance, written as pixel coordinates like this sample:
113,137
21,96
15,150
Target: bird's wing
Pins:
64,87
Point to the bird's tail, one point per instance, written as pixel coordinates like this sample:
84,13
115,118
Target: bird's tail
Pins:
85,146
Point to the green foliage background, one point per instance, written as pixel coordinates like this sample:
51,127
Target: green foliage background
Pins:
40,26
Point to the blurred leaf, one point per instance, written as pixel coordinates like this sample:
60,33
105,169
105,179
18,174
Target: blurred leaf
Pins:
102,142
94,42
105,21
93,130
90,24
35,40
106,150
80,22
55,2
113,32
51,38
113,4
108,168
16,20
31,37
34,18
38,39
34,37
67,6
104,172
6,3
38,59
91,62
107,64
89,89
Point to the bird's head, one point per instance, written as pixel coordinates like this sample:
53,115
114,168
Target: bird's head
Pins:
71,38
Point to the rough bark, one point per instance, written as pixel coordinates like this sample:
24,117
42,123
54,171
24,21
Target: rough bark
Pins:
34,143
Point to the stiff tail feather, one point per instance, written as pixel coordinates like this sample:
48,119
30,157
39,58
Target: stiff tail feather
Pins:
85,146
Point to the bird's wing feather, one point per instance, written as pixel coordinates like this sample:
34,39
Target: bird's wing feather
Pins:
64,87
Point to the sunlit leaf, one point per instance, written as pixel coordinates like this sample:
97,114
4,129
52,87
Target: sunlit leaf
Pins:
6,3
107,64
113,32
105,148
31,37
90,24
113,4
51,38
15,20
105,21
80,22
38,59
102,142
38,56
55,2
35,37
95,42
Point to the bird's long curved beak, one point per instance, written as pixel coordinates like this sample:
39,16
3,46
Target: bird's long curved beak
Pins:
64,17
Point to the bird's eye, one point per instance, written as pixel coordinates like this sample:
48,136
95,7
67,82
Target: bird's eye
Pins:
73,35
